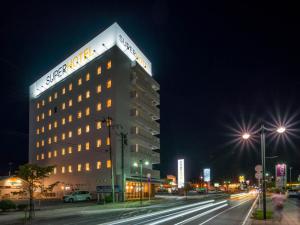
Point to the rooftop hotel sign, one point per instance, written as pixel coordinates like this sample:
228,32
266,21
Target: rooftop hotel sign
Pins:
114,35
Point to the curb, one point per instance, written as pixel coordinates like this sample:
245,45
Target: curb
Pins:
248,220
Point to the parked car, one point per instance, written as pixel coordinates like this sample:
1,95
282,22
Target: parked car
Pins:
77,196
292,193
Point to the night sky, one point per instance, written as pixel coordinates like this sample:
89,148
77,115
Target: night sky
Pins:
216,62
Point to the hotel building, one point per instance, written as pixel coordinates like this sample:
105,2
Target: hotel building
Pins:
105,85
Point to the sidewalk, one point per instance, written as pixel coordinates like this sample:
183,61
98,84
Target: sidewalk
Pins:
291,215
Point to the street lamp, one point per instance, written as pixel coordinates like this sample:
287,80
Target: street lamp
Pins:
246,136
136,164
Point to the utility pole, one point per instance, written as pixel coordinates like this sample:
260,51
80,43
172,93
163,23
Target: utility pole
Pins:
291,174
124,142
108,121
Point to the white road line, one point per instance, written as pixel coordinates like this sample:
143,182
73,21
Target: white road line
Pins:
224,212
250,210
157,213
186,212
201,214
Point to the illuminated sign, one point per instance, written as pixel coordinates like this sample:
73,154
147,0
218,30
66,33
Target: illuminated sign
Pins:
241,179
206,173
114,35
180,173
280,172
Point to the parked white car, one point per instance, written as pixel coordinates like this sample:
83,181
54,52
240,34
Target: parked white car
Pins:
77,196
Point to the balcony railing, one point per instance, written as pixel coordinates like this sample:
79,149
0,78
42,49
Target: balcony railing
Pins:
148,141
146,105
151,125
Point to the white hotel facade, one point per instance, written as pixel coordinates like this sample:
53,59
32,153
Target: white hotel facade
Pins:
109,77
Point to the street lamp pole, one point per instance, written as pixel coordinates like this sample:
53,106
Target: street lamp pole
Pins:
263,159
291,174
141,174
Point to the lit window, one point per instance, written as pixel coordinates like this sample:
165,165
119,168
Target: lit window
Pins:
79,81
99,142
43,116
108,66
79,115
55,124
70,169
70,134
70,87
87,128
55,95
54,170
79,99
108,84
55,139
108,103
98,165
79,131
70,118
87,111
49,112
49,126
37,118
50,98
42,156
70,149
87,94
63,105
107,141
87,77
43,129
63,121
108,163
99,106
63,136
99,88
63,151
49,155
43,102
70,102
63,169
79,147
99,125
87,146
38,105
55,153
37,157
49,140
37,144
43,143
63,91
87,167
79,167
108,122
98,70
38,131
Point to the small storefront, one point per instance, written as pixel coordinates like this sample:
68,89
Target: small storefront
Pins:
135,188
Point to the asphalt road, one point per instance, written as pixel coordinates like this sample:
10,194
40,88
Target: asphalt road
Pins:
215,209
213,212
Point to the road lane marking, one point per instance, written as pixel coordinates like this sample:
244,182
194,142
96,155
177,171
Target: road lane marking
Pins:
157,213
250,210
201,214
186,212
226,210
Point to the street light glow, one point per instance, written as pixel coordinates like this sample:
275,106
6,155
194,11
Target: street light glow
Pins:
146,163
281,130
135,164
246,136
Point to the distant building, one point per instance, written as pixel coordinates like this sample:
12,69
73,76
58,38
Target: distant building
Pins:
106,83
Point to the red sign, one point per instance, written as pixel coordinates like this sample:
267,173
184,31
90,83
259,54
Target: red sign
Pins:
280,170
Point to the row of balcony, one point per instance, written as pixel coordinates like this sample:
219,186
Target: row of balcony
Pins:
151,142
142,102
147,123
144,153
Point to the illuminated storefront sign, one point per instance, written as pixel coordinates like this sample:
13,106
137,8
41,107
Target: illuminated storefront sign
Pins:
180,173
206,173
280,172
114,35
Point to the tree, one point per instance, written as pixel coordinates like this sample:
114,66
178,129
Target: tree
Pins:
32,176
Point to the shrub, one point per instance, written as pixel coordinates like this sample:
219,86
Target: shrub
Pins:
7,205
108,198
22,207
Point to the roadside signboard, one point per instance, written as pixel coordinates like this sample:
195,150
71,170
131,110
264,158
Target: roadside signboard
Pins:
180,173
206,173
280,173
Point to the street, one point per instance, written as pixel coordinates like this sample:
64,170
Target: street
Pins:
213,209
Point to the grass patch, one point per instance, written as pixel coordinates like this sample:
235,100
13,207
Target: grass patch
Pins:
258,214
